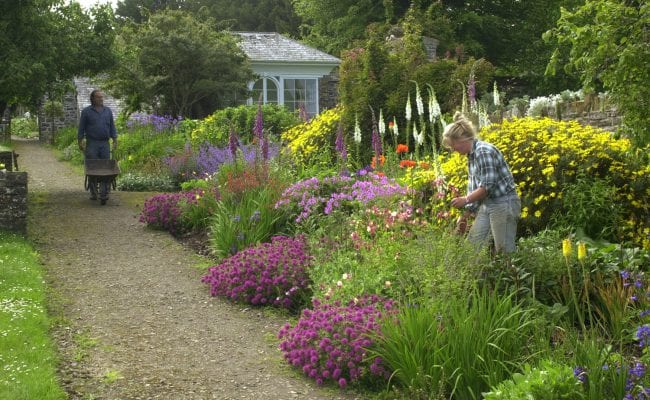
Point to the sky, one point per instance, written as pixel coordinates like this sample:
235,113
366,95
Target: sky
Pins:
89,3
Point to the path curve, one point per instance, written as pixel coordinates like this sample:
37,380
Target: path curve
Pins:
134,320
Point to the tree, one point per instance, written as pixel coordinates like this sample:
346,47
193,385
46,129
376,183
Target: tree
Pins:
607,42
180,65
45,44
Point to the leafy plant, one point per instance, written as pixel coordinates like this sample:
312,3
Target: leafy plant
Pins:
252,219
140,182
548,381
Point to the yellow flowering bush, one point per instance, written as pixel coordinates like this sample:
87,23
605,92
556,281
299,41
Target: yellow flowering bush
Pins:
546,155
308,141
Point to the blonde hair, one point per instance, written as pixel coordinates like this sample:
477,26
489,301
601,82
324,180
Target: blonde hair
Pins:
460,130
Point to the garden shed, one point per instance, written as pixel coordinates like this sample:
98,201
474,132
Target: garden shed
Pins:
290,73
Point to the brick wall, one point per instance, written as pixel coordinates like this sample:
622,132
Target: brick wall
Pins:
13,201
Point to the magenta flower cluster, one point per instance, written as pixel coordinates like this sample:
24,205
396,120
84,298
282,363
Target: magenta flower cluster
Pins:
330,341
272,273
164,211
313,196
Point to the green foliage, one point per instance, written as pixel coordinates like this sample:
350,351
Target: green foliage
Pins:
29,358
43,44
24,127
142,150
464,345
588,206
196,217
606,41
215,128
549,381
251,220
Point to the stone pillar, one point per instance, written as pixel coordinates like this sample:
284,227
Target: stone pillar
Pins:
13,201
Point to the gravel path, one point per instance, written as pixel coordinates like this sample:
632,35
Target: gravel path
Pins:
133,320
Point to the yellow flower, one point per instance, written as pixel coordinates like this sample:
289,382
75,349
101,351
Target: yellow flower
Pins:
582,250
566,247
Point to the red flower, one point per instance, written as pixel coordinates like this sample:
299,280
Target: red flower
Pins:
407,164
424,165
402,148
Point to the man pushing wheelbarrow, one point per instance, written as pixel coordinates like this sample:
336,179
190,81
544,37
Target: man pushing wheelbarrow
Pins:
96,128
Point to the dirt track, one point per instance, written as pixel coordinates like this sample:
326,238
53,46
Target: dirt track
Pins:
133,319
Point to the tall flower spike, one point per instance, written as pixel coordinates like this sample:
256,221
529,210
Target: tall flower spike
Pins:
434,106
416,134
258,129
357,130
566,247
418,100
340,143
395,129
382,124
582,250
495,95
407,111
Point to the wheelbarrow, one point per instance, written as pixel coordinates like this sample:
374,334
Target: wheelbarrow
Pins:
100,171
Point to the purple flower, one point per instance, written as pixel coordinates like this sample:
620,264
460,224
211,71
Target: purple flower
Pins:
272,273
580,373
340,144
329,341
233,143
643,335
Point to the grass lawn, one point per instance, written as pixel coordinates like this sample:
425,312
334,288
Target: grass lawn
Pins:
27,355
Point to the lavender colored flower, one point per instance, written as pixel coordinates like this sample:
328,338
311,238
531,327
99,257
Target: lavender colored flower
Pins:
643,335
258,128
340,144
313,196
580,373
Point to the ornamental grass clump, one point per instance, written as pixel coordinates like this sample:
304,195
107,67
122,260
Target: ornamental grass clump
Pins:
272,273
330,341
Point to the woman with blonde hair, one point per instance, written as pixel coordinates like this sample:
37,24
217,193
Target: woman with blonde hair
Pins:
491,191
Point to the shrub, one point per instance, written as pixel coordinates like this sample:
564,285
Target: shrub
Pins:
215,128
313,140
549,381
26,127
274,273
329,341
139,182
545,156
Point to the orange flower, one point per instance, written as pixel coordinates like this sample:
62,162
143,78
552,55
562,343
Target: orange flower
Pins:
424,165
373,163
407,164
402,148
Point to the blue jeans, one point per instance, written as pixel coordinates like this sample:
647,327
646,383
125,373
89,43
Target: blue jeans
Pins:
496,219
98,150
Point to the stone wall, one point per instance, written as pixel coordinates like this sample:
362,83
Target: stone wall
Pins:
328,91
599,115
49,125
13,201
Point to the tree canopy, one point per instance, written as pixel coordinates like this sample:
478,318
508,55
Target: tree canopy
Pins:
607,43
179,65
45,44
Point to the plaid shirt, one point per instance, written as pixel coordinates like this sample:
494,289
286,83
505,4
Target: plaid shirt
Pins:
487,168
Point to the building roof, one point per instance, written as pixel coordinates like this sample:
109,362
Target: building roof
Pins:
271,47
